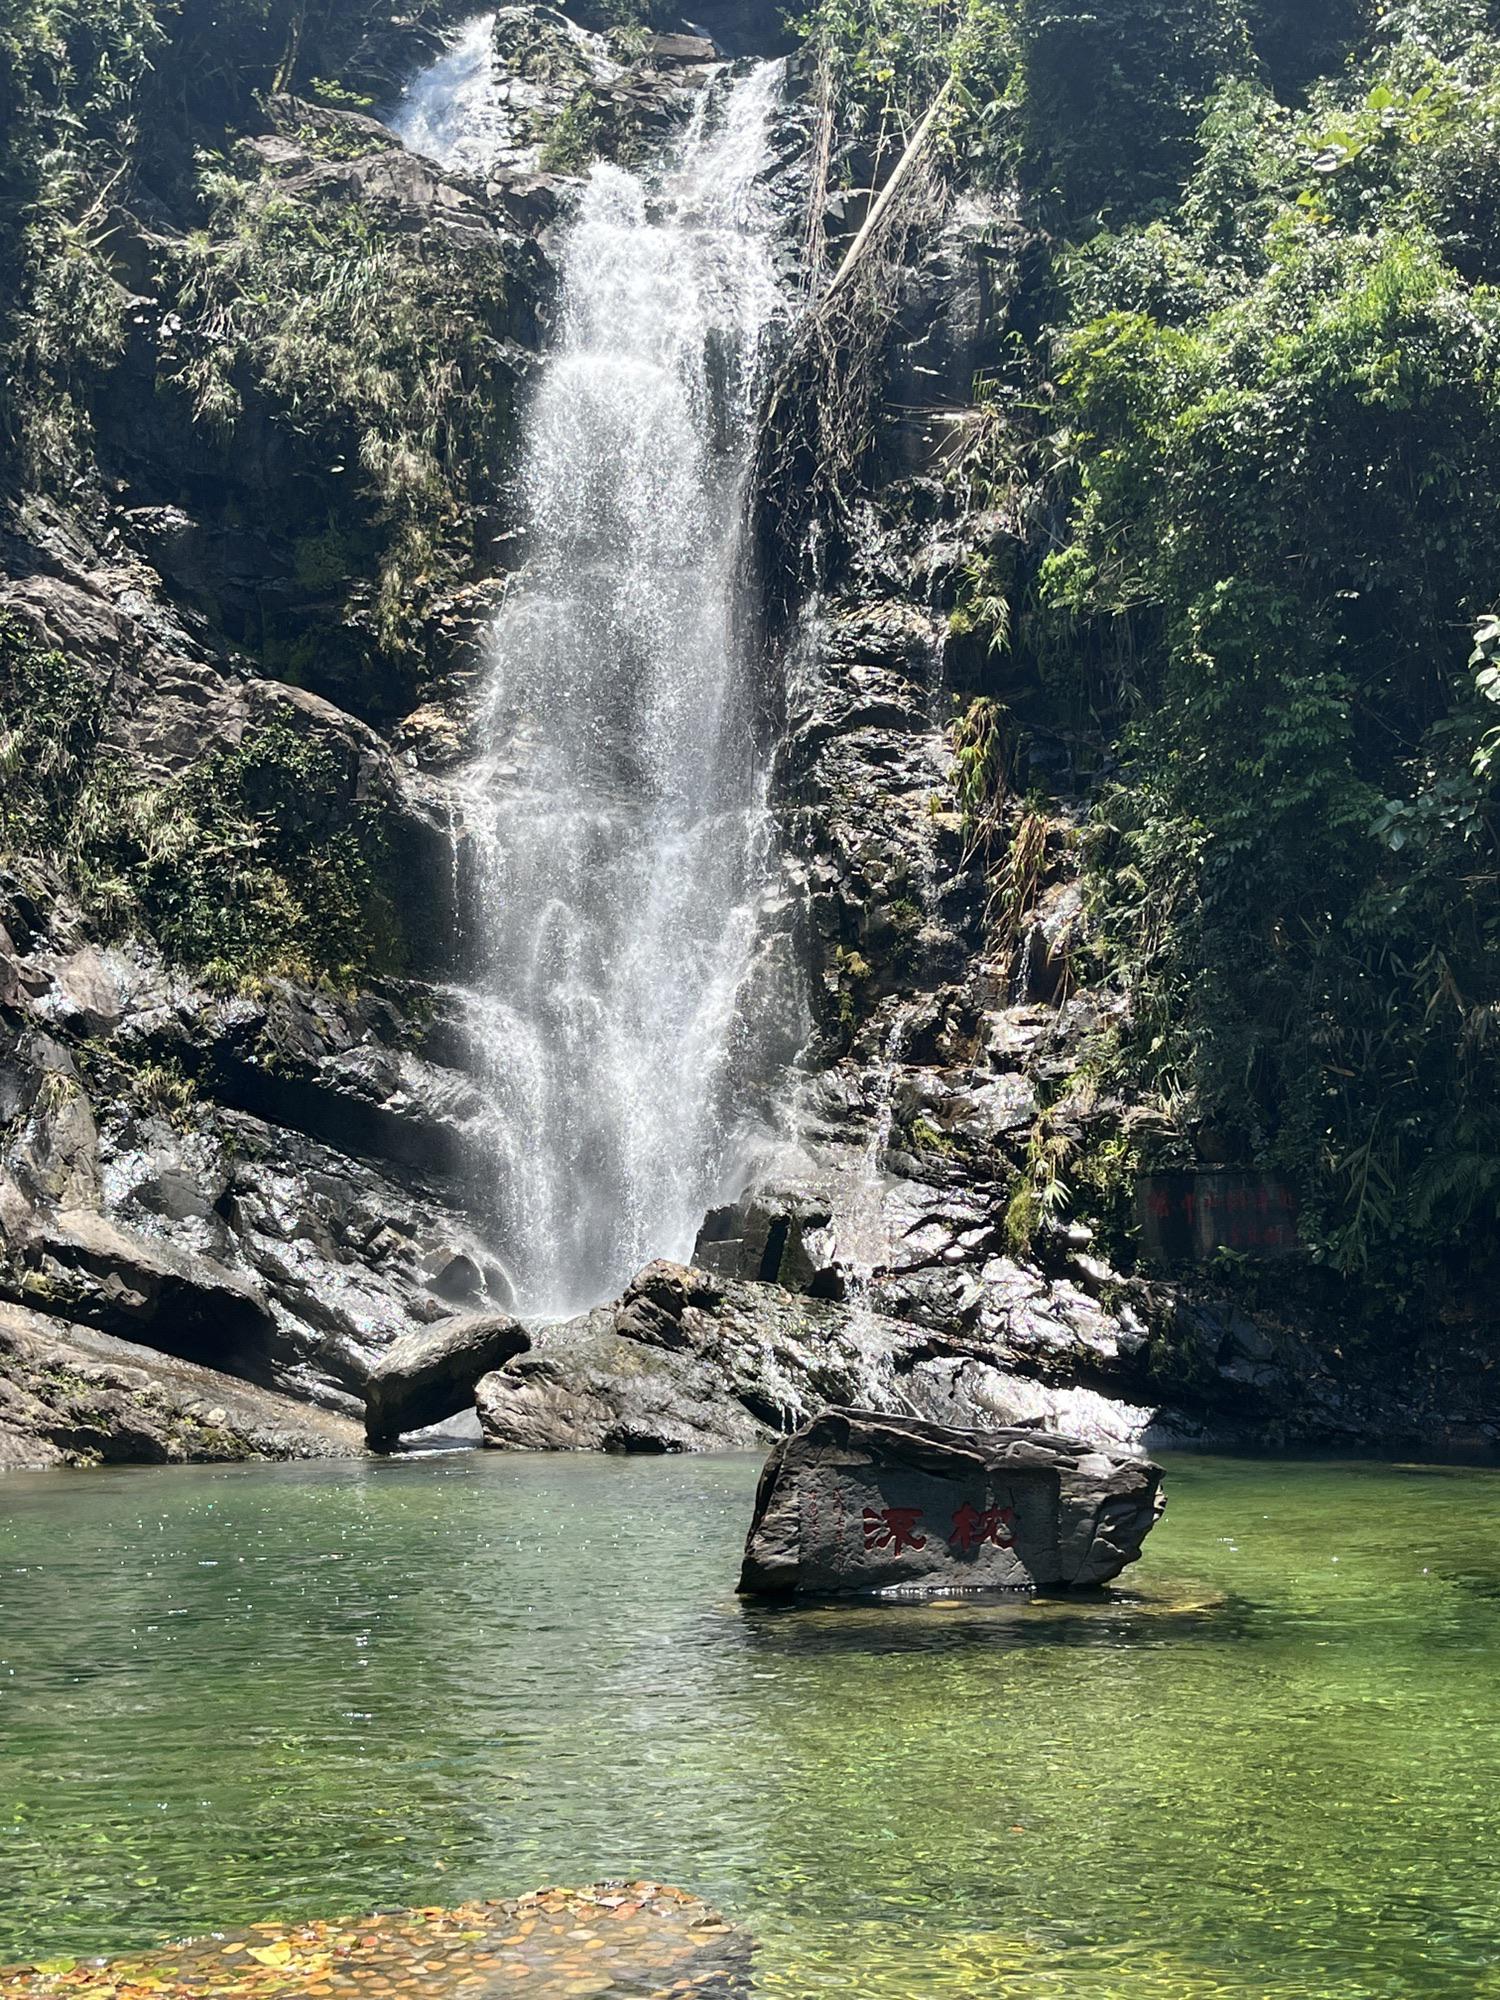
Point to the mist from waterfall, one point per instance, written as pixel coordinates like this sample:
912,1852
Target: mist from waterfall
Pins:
620,808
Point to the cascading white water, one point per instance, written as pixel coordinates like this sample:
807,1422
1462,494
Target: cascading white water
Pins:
621,808
453,112
462,112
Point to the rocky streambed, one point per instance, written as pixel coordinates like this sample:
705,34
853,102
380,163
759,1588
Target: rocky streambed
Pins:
619,1937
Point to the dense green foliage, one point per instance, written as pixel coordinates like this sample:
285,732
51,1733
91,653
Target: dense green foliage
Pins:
373,346
1093,109
103,103
69,79
1251,396
1284,406
255,862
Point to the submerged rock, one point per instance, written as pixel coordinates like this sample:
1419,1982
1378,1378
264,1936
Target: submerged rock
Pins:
858,1503
432,1373
617,1937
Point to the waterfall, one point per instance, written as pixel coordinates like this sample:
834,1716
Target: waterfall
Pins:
620,805
453,111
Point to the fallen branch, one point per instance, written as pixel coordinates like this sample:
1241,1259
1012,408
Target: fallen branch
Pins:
815,240
888,193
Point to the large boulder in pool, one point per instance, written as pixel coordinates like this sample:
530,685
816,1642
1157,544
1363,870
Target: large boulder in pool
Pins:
432,1373
859,1504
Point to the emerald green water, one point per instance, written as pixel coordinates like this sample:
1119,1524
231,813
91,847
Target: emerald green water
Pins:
234,1694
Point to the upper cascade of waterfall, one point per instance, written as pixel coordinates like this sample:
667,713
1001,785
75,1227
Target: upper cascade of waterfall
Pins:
619,806
455,111
468,112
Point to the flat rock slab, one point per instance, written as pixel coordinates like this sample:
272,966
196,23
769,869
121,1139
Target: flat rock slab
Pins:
616,1939
860,1504
71,1395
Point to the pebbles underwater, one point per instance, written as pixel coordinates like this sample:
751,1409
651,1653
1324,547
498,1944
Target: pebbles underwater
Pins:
633,1938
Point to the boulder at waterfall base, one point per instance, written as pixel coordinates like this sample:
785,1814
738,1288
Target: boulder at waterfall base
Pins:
862,1504
689,1361
432,1372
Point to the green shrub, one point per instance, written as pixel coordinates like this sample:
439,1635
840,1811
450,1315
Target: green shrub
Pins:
254,863
573,138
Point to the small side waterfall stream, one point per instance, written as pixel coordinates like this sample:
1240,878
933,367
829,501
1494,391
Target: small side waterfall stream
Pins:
620,807
453,112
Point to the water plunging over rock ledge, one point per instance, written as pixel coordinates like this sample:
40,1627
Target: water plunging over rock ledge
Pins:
619,807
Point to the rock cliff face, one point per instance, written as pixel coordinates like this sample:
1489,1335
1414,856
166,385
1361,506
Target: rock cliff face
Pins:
242,1119
206,1148
70,1395
946,1094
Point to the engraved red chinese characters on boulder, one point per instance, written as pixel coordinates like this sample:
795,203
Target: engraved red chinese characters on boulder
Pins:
974,1526
893,1528
854,1504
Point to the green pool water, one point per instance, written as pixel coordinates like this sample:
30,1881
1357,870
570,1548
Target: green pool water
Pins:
1270,1768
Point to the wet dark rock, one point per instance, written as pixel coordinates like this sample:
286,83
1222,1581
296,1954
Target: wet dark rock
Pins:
375,170
860,1503
453,1273
432,1373
49,1141
657,1373
345,1250
72,1395
738,27
341,1250
339,1072
684,1362
781,1237
552,66
690,1361
82,992
954,310
681,49
340,130
168,704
